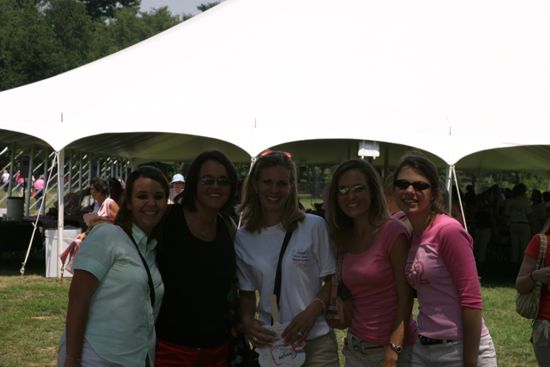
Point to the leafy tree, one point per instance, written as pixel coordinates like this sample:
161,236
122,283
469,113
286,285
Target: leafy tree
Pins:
42,38
205,6
26,44
73,30
129,27
101,9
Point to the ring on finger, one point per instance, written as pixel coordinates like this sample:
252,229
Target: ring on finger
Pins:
300,333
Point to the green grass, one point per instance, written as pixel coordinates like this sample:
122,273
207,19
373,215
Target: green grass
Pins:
32,317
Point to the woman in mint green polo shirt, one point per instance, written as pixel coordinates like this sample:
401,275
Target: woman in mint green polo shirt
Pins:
112,311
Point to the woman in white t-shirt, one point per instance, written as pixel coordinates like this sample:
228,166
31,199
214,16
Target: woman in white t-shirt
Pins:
269,209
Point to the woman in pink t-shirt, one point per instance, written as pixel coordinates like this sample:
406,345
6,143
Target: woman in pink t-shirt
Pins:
441,267
374,248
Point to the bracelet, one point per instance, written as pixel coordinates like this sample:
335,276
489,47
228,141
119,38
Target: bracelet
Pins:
531,276
321,301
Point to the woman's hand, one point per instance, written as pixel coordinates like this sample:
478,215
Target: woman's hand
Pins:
297,331
541,275
390,358
257,334
90,218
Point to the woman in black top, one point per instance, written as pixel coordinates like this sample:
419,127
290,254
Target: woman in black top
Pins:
197,263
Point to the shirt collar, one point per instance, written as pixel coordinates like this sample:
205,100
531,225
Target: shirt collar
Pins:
141,238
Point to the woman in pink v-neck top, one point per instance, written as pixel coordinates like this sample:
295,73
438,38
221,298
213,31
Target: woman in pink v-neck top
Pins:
374,248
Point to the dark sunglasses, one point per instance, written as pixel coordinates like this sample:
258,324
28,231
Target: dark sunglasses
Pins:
356,189
417,185
209,180
269,151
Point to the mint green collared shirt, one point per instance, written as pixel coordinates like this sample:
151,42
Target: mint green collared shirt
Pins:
121,321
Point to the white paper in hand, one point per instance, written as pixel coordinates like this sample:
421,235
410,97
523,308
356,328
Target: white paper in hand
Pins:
280,354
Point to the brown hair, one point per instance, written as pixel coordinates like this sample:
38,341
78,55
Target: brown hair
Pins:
124,216
426,168
339,222
250,208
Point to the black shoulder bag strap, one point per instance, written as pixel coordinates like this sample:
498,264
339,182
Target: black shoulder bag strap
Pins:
277,288
150,278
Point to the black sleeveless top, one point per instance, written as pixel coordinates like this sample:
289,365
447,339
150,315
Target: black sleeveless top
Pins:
197,277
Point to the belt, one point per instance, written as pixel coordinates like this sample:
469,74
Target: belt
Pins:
424,340
354,343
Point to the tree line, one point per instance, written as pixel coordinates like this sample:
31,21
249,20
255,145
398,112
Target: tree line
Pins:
42,38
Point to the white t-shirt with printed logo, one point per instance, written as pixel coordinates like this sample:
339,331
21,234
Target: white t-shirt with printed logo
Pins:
307,260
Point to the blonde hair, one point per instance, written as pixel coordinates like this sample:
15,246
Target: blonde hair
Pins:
250,208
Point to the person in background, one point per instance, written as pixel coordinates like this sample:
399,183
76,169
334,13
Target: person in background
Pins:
517,209
442,269
525,281
39,185
104,207
375,249
197,261
538,215
270,211
177,185
117,289
5,179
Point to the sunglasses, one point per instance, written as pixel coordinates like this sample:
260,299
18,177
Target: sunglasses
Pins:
356,189
269,151
417,185
209,180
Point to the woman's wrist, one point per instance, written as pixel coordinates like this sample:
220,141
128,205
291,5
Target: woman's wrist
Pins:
322,303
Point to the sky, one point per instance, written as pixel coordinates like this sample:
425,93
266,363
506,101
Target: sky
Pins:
176,6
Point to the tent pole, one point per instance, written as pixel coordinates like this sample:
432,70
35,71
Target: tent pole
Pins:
448,187
60,206
252,160
453,171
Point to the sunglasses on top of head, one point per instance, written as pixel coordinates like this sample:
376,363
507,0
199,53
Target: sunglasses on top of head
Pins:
269,151
417,185
209,180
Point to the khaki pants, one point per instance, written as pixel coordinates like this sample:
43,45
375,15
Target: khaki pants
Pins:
451,354
372,356
322,351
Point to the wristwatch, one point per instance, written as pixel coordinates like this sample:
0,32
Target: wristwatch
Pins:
397,348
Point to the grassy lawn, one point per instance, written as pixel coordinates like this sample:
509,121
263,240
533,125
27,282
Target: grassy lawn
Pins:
32,313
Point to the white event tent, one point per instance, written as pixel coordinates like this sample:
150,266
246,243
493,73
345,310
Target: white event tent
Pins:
450,78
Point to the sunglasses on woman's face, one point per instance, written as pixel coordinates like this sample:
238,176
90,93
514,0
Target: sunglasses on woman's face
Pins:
356,189
209,180
417,185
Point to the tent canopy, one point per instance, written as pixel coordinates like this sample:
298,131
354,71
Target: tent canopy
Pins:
448,78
